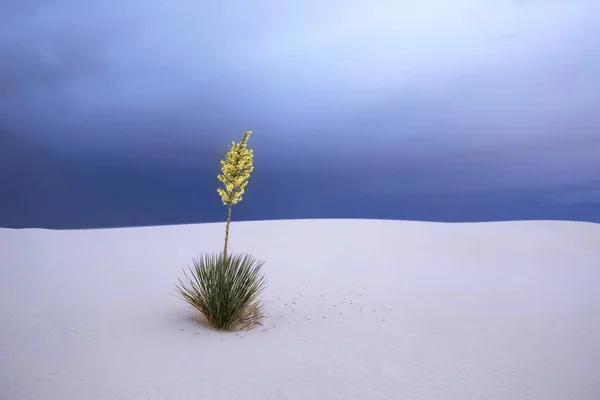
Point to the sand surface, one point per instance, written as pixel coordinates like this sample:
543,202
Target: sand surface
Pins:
356,309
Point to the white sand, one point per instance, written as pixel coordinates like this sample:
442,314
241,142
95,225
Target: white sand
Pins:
357,309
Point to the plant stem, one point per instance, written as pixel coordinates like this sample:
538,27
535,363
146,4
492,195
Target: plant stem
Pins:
229,206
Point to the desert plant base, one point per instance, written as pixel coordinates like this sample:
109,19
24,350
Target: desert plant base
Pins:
225,290
250,318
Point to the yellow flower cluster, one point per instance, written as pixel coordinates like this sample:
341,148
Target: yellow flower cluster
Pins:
236,168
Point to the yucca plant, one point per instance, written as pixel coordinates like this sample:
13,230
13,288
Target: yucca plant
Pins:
225,290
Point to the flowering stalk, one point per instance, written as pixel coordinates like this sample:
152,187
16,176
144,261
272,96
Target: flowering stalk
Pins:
235,171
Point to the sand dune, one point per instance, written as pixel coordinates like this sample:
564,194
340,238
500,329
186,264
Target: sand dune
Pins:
356,309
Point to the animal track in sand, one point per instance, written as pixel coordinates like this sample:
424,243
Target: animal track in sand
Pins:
305,311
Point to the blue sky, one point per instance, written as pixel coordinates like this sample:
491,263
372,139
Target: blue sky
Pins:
369,101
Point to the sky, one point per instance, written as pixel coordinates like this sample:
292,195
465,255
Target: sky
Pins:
116,113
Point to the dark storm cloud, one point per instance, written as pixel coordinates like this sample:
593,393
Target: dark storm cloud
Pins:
296,70
389,97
